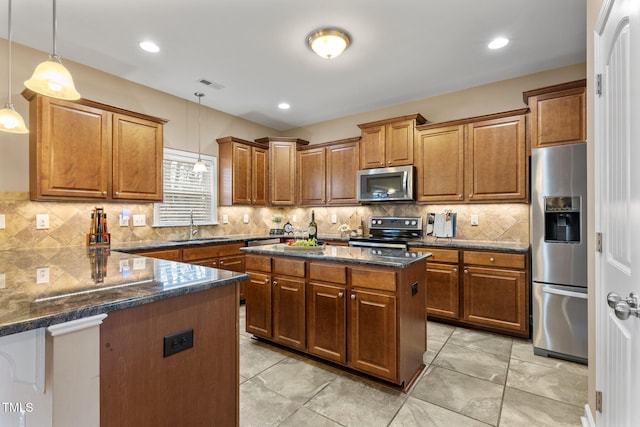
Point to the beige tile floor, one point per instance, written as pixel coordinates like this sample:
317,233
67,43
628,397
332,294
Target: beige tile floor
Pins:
472,378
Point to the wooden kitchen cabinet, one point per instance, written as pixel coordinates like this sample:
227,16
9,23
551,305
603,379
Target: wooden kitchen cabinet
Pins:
275,303
327,173
243,172
478,159
166,254
496,291
558,114
84,150
327,311
222,256
388,142
282,168
443,296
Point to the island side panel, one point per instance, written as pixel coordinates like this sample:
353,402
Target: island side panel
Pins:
197,386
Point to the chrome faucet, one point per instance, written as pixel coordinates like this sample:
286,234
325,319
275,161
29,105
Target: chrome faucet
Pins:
193,229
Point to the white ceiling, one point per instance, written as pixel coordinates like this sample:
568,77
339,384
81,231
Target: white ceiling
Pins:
402,50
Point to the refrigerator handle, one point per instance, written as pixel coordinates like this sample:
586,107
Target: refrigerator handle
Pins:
548,290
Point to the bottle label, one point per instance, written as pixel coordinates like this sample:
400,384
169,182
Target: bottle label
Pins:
312,231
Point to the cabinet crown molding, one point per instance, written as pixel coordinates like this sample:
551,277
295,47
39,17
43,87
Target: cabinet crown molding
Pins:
554,88
467,120
416,116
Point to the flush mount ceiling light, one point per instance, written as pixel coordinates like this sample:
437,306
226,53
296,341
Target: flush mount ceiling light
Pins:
149,46
328,42
51,78
284,106
199,166
10,120
498,43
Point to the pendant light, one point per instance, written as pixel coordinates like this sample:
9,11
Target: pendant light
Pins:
10,120
199,166
51,78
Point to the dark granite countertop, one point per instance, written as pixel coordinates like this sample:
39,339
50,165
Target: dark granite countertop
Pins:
396,258
42,287
147,245
470,244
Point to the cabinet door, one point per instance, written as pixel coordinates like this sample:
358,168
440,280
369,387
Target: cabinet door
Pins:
137,159
258,304
442,290
372,147
497,161
399,143
342,166
232,263
241,174
311,183
496,298
372,333
326,327
282,171
72,150
289,326
558,118
167,254
260,177
440,164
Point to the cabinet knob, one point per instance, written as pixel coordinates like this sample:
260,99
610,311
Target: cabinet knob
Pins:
471,196
221,262
104,193
340,294
389,162
117,193
459,196
266,281
353,296
275,283
492,259
455,269
466,271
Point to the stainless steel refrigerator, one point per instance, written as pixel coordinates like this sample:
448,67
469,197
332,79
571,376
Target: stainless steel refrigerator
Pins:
559,251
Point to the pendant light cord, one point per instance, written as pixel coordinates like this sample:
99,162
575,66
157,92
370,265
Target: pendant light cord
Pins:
55,25
9,62
199,95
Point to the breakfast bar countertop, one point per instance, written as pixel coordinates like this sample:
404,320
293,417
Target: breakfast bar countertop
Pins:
43,287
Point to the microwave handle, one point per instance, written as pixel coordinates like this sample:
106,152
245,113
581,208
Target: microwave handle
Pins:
405,175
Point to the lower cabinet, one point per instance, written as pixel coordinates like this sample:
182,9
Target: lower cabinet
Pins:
350,314
492,292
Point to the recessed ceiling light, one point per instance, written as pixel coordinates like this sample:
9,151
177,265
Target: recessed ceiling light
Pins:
149,46
284,106
498,42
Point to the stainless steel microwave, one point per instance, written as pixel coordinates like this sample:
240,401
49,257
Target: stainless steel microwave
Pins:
385,184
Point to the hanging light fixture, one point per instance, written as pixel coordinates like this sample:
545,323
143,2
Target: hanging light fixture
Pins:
328,42
199,166
51,78
10,120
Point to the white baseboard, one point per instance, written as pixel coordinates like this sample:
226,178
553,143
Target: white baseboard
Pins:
587,419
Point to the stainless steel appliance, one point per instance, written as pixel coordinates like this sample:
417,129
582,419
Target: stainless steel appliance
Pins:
390,232
385,184
559,251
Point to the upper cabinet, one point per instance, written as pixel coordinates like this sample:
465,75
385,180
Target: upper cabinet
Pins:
243,172
84,150
388,142
327,173
558,114
282,168
479,159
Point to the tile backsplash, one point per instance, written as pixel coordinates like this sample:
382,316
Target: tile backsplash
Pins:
69,221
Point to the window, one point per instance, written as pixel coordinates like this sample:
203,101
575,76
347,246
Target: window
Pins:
186,191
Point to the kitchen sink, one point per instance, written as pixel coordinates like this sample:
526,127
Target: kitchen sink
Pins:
201,240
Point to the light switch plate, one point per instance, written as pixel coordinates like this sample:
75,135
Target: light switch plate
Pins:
245,219
42,221
294,218
139,220
334,219
2,222
139,263
225,219
474,219
3,280
42,275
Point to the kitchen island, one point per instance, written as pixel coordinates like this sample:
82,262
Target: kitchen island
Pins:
360,308
95,323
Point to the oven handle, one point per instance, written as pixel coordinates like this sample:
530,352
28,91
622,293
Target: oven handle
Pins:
552,291
360,244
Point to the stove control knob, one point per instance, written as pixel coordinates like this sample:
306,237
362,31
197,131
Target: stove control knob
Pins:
406,222
414,222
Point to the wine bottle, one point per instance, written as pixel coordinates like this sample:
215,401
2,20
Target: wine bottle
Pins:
313,227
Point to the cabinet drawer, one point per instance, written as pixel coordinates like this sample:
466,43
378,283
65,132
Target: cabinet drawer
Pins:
204,252
495,259
328,273
373,278
258,263
440,255
289,267
169,254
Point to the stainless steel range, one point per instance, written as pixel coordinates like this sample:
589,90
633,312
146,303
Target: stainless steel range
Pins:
390,232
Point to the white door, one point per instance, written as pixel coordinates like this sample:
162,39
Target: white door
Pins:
617,206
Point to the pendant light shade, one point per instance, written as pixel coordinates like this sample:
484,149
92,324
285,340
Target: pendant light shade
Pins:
51,78
199,166
10,120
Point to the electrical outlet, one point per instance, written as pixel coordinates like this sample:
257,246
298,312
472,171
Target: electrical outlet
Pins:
124,221
225,219
178,342
139,220
2,222
139,263
245,219
334,219
42,275
294,218
474,219
42,221
3,280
